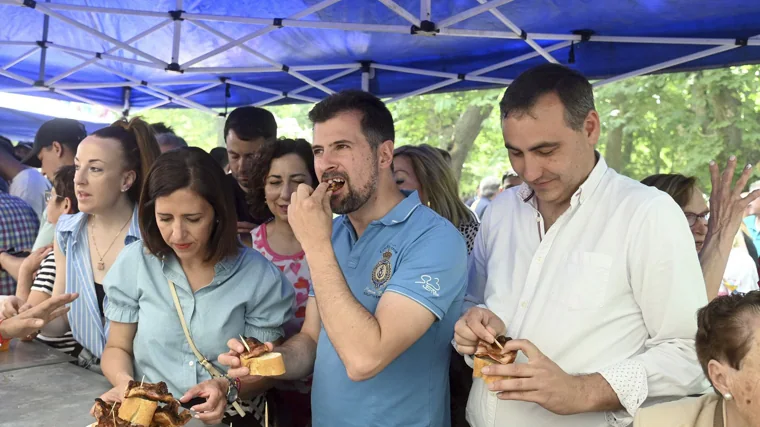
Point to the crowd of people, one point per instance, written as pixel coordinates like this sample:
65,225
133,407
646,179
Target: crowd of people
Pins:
626,302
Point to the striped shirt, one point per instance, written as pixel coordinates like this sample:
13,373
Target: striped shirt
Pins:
18,229
87,325
44,283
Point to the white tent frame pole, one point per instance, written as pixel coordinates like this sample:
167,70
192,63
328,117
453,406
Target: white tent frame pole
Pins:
153,89
17,43
88,100
177,34
441,74
302,14
14,76
185,82
365,80
667,64
184,95
519,31
95,9
43,9
21,58
426,12
469,13
272,91
517,59
307,87
268,101
231,70
400,11
423,90
89,62
98,55
104,85
265,58
25,89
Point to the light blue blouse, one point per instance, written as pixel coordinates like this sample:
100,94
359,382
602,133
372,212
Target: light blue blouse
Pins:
248,296
85,319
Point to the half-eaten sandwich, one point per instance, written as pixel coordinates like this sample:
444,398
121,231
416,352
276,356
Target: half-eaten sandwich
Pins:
140,407
489,354
260,361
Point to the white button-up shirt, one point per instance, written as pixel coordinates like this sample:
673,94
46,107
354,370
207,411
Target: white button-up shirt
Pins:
612,287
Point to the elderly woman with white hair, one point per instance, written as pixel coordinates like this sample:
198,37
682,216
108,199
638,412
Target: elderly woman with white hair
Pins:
488,189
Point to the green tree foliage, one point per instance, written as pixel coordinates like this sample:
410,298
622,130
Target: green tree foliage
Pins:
666,123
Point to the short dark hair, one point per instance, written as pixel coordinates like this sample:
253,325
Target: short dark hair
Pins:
376,119
445,154
139,149
262,162
161,127
250,123
572,88
678,186
220,155
171,140
193,168
723,333
63,182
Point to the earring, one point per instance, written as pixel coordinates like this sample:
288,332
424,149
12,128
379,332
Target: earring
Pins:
728,396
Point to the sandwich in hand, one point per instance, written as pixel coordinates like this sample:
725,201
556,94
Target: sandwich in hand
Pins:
490,354
260,361
140,408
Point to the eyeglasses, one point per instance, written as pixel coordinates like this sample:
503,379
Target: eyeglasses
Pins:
692,217
49,195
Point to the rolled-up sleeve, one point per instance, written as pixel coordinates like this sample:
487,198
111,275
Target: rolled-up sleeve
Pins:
272,305
668,285
122,292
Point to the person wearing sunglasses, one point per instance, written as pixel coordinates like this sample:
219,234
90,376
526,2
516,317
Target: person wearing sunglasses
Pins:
727,265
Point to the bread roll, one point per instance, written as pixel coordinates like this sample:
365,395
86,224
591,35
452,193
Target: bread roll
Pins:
266,365
137,410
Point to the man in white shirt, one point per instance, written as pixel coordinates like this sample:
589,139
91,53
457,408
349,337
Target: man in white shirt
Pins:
594,274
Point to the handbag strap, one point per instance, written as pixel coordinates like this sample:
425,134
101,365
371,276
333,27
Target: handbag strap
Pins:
202,360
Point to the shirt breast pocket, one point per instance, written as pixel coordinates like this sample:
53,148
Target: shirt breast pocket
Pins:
587,280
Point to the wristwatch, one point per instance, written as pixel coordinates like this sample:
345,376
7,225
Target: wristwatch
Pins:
234,389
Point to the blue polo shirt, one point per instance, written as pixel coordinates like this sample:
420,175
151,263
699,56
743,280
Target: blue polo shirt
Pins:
414,252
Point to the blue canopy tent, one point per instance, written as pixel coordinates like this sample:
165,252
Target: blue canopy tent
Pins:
136,55
22,125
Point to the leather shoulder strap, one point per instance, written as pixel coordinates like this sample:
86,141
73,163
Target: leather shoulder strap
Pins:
202,360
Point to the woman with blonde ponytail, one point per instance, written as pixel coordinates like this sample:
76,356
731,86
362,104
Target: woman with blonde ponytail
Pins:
111,166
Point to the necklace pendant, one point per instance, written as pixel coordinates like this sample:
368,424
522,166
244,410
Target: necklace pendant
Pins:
101,266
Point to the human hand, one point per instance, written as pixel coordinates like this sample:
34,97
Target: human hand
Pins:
31,320
539,381
11,306
310,215
478,324
231,359
215,393
33,261
116,394
727,206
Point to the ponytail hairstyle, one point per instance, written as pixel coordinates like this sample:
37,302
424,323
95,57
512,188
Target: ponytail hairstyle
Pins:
139,146
724,333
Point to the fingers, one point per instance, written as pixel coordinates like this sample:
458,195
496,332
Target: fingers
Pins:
239,372
513,370
728,175
523,396
47,308
231,360
479,329
191,394
319,192
24,308
528,348
742,181
514,384
714,179
304,191
58,312
463,335
236,346
751,197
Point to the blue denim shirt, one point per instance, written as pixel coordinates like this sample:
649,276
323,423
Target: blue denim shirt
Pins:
248,296
87,324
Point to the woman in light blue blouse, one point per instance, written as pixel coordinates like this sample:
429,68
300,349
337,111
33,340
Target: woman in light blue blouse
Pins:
225,290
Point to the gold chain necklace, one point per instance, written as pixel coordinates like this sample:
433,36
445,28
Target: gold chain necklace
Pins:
101,264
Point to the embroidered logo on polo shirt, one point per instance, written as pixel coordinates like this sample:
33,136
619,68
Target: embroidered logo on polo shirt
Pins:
381,274
430,284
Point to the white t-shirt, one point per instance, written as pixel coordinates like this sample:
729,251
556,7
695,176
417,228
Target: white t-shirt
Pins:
30,186
741,273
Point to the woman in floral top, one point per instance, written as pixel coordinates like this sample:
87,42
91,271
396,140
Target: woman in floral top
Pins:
276,173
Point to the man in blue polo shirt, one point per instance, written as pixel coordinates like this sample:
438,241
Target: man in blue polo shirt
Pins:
388,280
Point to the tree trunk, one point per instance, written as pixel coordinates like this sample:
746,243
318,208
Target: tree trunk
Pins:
466,130
627,152
727,110
613,152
